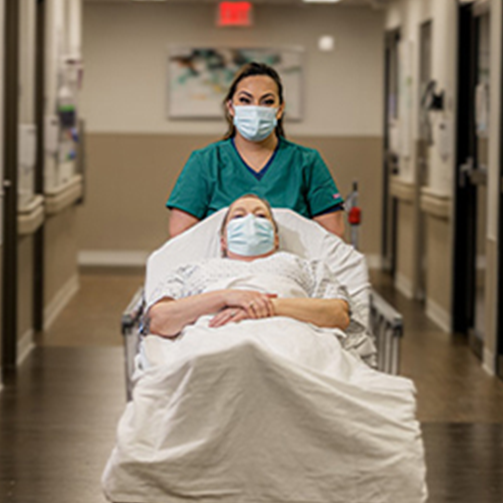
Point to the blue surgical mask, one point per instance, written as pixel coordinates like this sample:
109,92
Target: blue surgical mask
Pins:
250,236
255,123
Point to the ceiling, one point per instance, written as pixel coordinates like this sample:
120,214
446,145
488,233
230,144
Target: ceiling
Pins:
369,3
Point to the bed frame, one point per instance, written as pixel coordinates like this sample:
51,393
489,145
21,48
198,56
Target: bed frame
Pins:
386,325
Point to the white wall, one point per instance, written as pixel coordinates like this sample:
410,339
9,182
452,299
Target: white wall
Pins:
125,55
408,15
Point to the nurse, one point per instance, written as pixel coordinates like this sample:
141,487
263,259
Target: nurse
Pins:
254,157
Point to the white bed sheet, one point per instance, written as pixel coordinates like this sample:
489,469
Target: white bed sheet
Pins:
297,235
264,411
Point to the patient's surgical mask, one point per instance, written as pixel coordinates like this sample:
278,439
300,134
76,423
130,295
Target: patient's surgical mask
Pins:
255,123
250,236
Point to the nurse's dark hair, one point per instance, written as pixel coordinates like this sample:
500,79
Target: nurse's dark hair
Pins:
250,70
253,196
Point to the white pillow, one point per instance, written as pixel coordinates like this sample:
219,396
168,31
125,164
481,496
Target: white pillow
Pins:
297,235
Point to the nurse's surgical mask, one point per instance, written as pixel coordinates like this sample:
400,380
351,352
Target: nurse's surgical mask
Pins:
255,123
250,236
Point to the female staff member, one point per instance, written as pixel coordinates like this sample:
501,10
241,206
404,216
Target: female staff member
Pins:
254,157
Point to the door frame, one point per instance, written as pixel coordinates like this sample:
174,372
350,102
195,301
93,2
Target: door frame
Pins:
10,186
39,236
390,204
499,295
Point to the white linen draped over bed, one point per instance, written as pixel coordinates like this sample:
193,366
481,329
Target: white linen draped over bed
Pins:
264,411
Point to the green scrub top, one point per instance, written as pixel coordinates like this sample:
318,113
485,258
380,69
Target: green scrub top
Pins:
295,177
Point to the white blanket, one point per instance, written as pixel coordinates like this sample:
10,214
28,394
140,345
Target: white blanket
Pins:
265,411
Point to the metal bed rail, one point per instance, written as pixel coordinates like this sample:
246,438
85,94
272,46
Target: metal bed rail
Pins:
131,331
386,325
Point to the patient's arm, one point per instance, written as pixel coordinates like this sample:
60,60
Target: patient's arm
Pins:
332,313
180,221
168,317
333,222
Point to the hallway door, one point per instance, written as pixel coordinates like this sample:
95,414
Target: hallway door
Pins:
424,144
391,146
471,186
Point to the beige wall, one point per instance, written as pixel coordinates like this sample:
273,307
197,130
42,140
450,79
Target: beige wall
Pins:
408,15
439,271
135,152
130,177
126,49
493,246
405,265
25,286
60,254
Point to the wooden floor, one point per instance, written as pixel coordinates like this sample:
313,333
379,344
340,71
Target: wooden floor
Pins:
59,413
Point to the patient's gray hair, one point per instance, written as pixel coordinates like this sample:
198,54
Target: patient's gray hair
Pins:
253,196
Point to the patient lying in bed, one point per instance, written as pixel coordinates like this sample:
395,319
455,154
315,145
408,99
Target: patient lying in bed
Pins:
248,395
253,281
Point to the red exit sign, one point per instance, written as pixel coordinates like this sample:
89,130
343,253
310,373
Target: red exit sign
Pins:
235,14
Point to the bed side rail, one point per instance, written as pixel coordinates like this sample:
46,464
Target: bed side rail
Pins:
386,324
130,328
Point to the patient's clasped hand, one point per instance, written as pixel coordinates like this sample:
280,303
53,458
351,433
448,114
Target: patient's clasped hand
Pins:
244,392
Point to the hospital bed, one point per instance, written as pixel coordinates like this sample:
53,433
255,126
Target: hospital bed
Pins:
297,235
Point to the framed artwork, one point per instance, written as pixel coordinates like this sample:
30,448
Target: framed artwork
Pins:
198,78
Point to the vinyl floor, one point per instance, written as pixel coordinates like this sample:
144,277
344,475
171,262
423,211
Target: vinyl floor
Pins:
59,413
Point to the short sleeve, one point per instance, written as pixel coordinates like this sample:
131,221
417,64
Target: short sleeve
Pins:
323,283
191,191
172,286
322,192
325,286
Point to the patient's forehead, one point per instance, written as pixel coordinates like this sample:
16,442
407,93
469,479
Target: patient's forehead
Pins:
249,204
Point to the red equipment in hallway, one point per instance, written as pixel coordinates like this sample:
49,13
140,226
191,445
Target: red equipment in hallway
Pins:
354,214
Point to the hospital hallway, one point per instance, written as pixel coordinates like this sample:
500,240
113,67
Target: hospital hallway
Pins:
59,414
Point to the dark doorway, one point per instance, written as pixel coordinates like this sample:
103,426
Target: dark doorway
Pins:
424,144
471,174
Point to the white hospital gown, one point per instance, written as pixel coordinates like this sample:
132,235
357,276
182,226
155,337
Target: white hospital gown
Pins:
282,273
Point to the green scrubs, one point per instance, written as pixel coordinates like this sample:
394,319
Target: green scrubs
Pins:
295,177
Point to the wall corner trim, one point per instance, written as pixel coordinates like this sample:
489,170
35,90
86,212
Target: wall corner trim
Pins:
31,217
64,196
489,362
440,316
60,300
404,285
435,204
403,190
113,258
25,345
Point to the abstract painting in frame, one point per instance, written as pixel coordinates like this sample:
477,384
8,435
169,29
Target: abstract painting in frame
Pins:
198,78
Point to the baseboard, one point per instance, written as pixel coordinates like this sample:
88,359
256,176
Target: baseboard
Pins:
112,258
25,345
489,362
404,285
374,261
60,300
439,315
